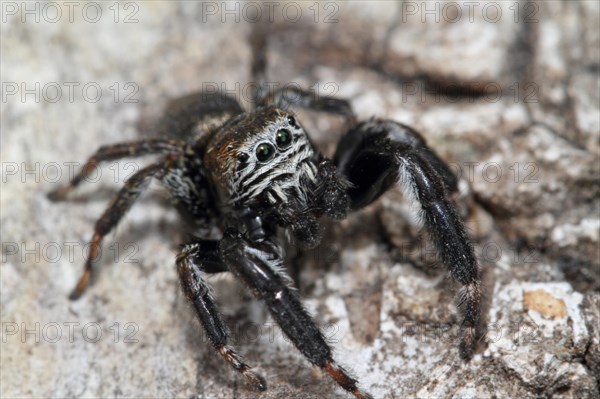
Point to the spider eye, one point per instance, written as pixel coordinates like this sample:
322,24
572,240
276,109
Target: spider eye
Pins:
243,158
292,121
283,138
265,152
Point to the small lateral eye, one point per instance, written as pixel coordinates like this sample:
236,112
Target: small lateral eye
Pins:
283,138
243,157
292,121
265,152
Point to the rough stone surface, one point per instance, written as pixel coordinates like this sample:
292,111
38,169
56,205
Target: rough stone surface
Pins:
512,104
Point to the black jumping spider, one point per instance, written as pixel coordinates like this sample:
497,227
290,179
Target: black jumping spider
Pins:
250,173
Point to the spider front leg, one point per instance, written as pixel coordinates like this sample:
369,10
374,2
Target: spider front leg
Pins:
122,202
259,265
193,262
112,152
376,154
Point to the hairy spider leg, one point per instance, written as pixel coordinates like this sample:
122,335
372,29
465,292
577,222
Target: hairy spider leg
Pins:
116,151
204,253
195,260
258,68
287,96
259,265
292,96
121,203
376,154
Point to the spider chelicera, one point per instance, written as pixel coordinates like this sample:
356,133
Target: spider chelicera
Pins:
252,173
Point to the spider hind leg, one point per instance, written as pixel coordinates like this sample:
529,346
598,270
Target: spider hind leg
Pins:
121,203
114,152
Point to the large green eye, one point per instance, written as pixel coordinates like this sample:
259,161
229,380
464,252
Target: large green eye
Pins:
283,138
265,152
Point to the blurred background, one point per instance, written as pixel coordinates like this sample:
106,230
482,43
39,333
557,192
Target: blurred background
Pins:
506,92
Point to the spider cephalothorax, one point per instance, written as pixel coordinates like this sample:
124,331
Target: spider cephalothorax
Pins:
264,160
248,174
263,156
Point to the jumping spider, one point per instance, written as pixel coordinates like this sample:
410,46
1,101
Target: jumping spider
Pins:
251,173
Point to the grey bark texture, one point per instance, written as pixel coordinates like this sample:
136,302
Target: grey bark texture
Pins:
506,92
